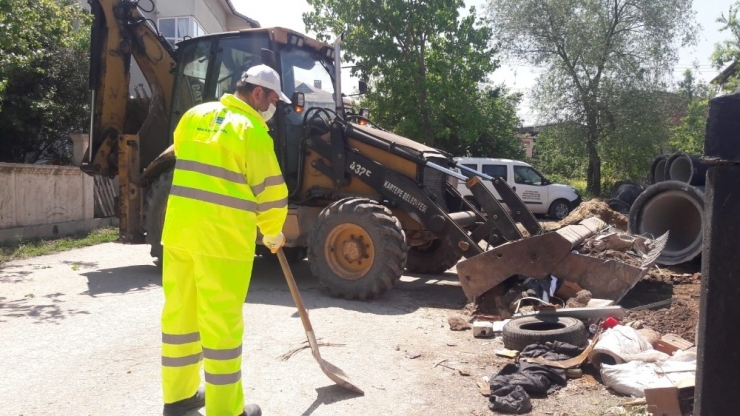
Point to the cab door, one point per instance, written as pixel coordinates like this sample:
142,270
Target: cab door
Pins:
532,188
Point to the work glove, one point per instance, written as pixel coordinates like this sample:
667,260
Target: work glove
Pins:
274,242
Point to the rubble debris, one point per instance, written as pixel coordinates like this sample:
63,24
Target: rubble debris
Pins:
412,355
634,324
483,329
679,319
650,335
555,256
663,401
581,313
617,241
634,377
483,387
670,343
596,208
580,300
458,323
506,353
622,344
567,290
573,373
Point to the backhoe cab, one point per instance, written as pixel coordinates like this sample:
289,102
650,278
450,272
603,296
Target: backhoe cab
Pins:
365,204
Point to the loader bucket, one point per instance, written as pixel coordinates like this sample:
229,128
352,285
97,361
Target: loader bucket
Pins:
552,254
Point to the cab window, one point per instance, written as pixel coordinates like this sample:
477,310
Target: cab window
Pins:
496,171
527,176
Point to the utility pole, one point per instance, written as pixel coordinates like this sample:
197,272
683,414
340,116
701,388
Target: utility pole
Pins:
717,381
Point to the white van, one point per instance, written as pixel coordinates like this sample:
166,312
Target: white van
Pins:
539,194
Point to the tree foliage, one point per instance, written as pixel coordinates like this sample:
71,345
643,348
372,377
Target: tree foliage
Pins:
44,95
425,63
728,51
688,135
596,54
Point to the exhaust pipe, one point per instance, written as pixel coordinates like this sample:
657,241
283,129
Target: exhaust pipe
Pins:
657,169
672,206
686,168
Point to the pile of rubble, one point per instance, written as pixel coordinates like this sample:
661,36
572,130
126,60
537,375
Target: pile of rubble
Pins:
553,328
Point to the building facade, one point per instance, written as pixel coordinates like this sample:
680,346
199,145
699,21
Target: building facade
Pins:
180,19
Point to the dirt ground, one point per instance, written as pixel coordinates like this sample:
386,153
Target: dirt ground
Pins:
80,334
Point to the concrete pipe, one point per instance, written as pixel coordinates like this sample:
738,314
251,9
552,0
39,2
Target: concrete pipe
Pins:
685,167
657,169
671,206
623,195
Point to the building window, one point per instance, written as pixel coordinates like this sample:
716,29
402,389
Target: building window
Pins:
175,29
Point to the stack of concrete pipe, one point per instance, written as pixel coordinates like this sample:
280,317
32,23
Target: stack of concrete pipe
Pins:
673,202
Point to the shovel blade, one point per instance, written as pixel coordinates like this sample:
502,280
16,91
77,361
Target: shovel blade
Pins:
338,376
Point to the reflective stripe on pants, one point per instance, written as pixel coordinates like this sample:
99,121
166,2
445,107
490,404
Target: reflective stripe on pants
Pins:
202,321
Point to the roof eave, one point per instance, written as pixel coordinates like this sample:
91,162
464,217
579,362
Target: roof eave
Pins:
252,22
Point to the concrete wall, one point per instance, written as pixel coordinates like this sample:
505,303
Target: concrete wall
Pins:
32,195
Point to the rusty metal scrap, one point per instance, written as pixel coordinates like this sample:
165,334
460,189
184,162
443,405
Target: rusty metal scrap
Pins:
552,254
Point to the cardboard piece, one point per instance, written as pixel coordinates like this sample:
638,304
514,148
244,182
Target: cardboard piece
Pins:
663,401
670,343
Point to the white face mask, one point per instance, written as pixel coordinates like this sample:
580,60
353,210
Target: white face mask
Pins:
267,115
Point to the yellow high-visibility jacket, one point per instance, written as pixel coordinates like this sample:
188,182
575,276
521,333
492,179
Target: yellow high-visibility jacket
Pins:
227,182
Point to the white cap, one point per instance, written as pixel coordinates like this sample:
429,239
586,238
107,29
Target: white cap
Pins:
264,76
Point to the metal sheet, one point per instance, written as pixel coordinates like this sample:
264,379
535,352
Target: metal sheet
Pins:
550,254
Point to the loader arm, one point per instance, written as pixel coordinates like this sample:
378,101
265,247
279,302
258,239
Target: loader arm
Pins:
119,32
127,133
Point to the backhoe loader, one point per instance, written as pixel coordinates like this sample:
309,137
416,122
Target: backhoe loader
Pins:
365,204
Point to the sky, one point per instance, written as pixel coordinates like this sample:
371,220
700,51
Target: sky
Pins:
518,78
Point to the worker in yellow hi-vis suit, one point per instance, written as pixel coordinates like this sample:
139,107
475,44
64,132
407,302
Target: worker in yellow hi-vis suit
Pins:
227,183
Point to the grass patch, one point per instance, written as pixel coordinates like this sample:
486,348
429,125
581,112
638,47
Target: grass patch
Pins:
37,247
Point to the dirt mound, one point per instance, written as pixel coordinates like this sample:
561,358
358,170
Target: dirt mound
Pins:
595,208
679,319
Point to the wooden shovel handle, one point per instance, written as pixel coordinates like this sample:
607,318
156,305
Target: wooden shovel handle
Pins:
294,291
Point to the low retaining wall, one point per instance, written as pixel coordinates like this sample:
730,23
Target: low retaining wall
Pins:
41,197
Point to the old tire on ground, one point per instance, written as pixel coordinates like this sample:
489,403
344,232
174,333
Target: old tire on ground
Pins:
434,258
559,209
521,332
156,206
357,249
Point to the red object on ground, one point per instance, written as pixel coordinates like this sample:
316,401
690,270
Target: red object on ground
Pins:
609,323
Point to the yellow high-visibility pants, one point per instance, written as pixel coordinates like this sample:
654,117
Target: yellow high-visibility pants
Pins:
202,321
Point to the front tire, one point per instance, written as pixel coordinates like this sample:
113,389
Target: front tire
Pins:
357,249
156,206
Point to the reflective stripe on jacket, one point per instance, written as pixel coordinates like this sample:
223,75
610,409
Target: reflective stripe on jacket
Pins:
227,182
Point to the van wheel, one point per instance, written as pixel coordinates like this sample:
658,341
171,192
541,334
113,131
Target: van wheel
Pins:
433,258
357,249
559,209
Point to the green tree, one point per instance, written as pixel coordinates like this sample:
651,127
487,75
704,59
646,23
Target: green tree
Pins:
45,86
688,135
425,64
593,52
728,50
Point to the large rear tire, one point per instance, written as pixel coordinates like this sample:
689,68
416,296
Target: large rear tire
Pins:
156,206
357,249
434,258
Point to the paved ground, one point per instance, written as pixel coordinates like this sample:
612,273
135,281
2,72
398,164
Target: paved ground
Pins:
79,335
